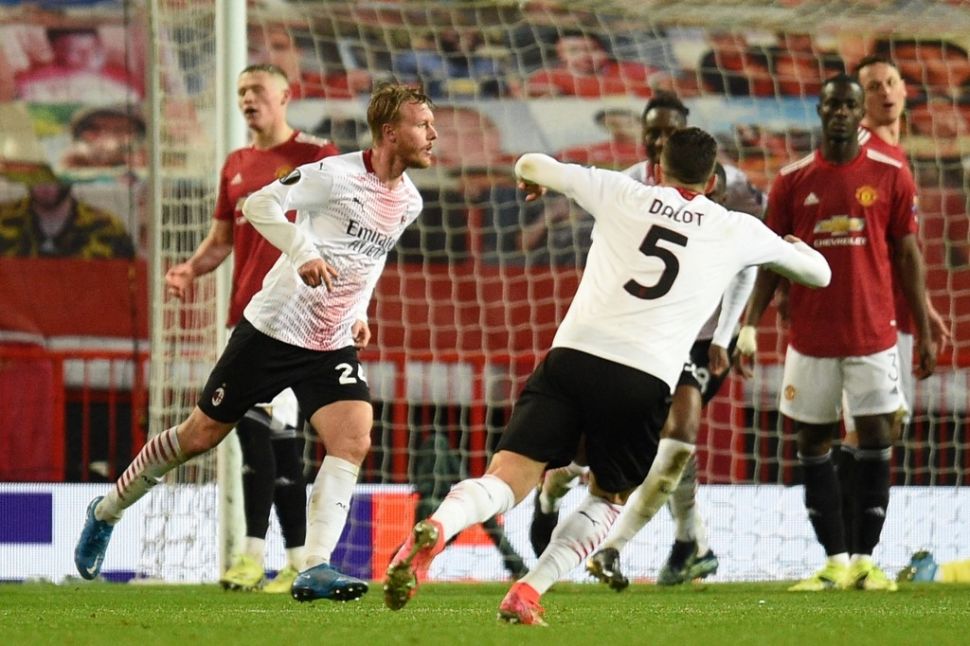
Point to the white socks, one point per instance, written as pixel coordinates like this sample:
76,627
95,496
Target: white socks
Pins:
472,501
159,456
574,539
665,472
329,505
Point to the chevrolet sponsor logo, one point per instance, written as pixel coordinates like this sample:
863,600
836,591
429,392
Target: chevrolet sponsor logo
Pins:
840,225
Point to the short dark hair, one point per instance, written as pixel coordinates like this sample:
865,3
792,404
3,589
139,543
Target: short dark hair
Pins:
667,100
385,105
840,79
689,155
268,68
873,59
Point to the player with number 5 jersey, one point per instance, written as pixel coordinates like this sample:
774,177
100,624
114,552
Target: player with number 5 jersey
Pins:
302,330
661,258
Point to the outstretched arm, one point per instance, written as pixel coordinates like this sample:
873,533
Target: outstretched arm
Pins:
803,265
538,170
215,248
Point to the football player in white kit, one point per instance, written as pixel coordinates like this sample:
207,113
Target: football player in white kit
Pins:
302,330
661,258
704,372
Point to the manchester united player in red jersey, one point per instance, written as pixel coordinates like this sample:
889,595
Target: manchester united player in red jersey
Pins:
272,447
856,206
881,129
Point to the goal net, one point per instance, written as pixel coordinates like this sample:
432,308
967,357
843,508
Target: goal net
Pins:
473,293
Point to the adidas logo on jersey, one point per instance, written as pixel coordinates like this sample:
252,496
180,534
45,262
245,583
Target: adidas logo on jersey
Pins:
237,179
810,200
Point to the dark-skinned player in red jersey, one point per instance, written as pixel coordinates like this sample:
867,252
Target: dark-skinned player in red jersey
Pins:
856,206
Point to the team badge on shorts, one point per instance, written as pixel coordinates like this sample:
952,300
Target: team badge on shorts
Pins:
218,395
789,393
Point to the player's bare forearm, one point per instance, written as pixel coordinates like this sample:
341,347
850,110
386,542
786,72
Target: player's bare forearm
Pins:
911,272
213,250
764,291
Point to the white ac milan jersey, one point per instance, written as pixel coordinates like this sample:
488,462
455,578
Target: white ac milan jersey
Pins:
348,217
660,260
741,196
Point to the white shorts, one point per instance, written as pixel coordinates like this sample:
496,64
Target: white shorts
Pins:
907,385
812,386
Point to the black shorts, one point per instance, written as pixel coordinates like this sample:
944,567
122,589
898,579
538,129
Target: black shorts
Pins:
697,373
620,411
254,368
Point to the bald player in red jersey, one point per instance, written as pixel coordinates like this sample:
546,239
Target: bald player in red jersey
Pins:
856,206
271,443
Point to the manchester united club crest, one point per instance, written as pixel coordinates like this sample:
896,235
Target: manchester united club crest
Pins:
866,195
789,393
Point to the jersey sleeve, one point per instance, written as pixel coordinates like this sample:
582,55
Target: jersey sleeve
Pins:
224,209
903,214
796,261
304,189
590,187
778,214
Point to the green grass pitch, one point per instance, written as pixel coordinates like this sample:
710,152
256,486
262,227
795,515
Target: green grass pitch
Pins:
464,614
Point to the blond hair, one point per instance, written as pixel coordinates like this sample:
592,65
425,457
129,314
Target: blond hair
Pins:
385,105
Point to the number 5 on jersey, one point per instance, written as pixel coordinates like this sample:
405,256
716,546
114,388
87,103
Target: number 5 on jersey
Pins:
649,247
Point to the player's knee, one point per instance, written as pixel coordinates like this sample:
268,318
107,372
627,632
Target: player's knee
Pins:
353,449
200,433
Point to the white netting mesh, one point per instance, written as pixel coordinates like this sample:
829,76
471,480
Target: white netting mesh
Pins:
474,291
180,541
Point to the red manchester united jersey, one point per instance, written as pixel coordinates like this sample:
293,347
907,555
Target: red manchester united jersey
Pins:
904,315
852,214
247,170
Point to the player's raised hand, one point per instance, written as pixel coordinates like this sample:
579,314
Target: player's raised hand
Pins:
532,190
178,278
745,350
317,272
361,333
